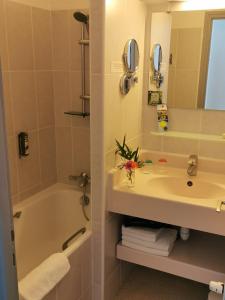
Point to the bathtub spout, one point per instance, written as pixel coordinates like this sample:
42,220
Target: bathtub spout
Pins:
83,179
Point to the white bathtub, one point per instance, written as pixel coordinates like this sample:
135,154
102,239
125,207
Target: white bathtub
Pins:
48,219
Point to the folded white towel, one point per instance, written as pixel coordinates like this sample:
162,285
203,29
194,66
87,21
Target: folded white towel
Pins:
164,241
39,282
148,250
149,234
214,296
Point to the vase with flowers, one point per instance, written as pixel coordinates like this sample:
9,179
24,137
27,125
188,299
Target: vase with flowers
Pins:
129,161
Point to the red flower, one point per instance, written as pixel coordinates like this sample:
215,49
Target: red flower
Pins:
130,164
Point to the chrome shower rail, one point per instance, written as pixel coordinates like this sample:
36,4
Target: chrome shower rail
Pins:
80,17
66,243
83,44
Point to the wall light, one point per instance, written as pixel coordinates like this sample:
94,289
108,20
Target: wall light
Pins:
108,2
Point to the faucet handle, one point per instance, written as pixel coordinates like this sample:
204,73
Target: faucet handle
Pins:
193,159
83,179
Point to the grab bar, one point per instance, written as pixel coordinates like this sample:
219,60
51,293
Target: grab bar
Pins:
65,244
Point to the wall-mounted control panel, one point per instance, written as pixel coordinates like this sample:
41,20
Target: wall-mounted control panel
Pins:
23,141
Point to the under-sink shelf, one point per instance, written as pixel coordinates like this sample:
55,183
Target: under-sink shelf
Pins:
190,135
201,258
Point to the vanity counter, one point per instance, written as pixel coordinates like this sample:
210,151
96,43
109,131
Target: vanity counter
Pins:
164,196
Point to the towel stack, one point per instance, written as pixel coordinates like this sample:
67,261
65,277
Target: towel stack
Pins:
153,241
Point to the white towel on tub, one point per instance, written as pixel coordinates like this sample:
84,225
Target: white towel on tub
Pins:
39,282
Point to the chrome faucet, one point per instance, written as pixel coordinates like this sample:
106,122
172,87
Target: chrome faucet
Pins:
192,165
83,179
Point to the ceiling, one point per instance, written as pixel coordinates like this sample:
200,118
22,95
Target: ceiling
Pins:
161,1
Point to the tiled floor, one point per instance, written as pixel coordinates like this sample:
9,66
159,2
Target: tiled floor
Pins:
147,284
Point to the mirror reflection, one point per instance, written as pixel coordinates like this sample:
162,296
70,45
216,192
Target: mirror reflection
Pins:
157,77
193,62
131,56
157,57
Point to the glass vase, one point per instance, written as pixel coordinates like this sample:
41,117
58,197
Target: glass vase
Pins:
130,178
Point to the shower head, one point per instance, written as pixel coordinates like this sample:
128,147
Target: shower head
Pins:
81,17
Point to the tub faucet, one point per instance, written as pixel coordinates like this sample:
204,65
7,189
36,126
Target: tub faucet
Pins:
192,165
83,179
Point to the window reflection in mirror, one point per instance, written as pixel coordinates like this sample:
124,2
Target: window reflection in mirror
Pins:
196,64
215,84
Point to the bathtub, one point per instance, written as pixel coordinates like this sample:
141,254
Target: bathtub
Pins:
47,220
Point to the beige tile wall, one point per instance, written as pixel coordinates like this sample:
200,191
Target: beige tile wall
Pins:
28,93
76,285
186,120
184,72
72,133
42,79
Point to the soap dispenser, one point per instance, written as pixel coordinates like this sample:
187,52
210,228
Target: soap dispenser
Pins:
23,142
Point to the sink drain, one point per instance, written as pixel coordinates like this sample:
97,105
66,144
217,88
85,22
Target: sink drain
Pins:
189,183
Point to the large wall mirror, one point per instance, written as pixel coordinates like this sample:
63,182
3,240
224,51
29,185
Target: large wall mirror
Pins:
193,62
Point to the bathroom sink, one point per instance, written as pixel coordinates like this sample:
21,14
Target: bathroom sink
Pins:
168,194
186,187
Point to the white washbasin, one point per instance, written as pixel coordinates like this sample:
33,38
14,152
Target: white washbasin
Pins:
186,187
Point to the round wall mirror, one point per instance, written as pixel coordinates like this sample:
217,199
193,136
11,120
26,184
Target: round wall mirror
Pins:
131,56
157,57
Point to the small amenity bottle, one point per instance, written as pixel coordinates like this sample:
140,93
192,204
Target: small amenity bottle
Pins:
184,233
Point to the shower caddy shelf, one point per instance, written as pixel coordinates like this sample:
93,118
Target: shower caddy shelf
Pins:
77,113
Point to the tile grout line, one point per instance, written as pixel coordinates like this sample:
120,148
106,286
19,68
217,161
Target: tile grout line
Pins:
53,90
54,93
36,90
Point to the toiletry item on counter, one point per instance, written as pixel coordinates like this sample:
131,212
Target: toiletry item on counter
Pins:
184,233
162,162
147,168
162,246
154,98
162,114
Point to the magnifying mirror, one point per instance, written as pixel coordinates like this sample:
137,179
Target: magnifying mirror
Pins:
131,63
131,56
